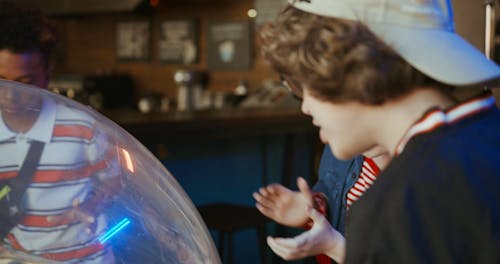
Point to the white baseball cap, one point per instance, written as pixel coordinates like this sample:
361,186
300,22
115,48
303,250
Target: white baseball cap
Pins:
420,31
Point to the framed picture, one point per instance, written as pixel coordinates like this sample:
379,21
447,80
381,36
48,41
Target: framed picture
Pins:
133,40
229,46
178,42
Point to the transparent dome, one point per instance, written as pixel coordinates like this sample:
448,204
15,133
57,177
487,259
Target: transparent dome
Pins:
76,187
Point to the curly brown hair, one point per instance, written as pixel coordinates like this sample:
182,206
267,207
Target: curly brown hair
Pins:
339,60
25,29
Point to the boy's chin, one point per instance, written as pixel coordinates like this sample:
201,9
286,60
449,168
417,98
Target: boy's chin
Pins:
323,138
340,154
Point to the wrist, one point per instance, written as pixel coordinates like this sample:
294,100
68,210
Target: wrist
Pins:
337,247
319,203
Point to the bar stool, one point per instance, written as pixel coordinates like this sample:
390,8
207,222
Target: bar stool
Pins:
226,218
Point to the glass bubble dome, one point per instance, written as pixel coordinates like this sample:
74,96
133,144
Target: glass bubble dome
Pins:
93,194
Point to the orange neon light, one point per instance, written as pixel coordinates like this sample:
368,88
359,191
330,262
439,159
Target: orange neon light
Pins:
128,160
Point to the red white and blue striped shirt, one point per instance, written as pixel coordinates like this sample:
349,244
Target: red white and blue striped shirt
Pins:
367,176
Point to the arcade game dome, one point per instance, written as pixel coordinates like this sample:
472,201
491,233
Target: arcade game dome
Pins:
76,187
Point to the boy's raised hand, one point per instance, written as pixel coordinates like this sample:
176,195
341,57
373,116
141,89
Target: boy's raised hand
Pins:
283,205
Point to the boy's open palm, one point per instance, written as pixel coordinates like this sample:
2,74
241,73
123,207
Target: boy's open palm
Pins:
283,205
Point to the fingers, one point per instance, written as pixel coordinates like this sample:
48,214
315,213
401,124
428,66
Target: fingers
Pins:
289,244
265,211
75,214
89,220
277,249
304,187
273,189
285,248
265,202
268,196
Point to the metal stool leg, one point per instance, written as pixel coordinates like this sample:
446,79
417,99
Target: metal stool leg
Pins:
261,237
221,244
230,259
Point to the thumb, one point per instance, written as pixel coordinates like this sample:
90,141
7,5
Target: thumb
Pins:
304,187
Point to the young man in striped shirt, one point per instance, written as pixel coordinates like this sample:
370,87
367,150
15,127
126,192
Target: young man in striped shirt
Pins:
380,73
60,218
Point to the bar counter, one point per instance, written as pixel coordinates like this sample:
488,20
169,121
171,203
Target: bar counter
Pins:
230,122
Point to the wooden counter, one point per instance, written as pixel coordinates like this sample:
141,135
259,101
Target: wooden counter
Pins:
157,127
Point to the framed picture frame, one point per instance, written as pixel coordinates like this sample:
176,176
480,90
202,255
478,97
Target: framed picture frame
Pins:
179,41
133,40
229,46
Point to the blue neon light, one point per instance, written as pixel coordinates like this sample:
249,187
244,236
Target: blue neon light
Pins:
115,229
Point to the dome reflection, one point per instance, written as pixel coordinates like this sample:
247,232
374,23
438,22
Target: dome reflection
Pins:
96,195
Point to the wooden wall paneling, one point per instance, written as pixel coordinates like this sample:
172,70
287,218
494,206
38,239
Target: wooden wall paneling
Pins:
89,46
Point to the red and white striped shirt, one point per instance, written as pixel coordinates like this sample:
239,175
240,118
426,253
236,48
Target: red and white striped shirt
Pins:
367,176
439,117
430,121
75,154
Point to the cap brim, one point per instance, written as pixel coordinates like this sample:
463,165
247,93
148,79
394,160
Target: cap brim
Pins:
326,8
442,55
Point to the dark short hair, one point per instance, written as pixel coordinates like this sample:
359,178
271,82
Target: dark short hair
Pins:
339,60
25,29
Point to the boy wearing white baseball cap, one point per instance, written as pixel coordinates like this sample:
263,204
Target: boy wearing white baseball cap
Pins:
381,72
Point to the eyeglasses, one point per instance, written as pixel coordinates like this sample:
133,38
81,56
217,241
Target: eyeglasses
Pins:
293,86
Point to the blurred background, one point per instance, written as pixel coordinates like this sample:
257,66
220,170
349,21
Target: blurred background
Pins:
186,78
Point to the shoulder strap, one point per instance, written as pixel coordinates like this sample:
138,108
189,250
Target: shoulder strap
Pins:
30,163
12,190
